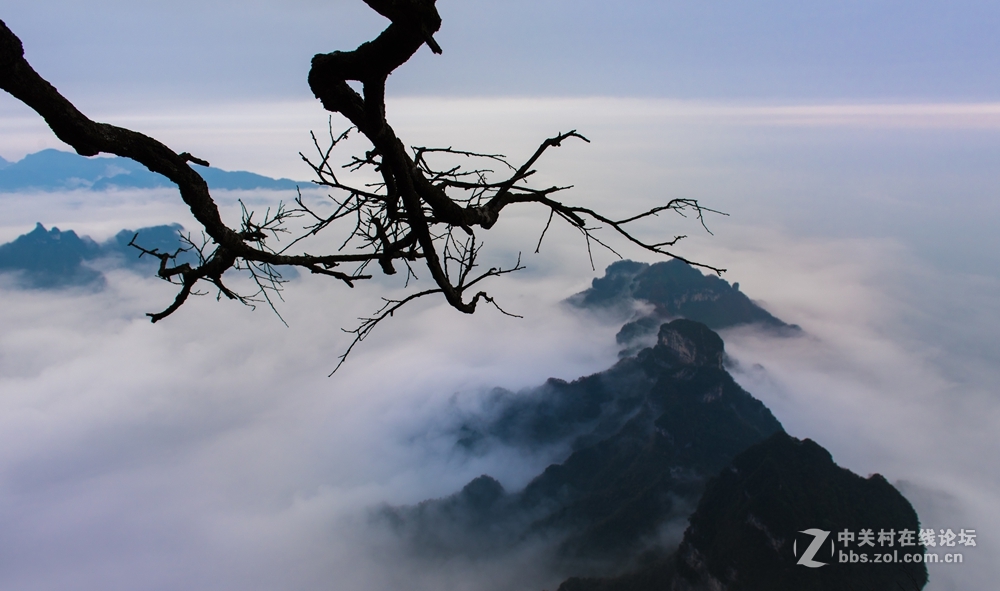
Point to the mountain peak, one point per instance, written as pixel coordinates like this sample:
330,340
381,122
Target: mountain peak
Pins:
673,289
482,492
686,342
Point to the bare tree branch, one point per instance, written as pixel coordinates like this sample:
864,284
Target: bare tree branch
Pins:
428,204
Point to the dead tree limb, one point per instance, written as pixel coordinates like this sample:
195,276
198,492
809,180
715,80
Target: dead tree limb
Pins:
422,210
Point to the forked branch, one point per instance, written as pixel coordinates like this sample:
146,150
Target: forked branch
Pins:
427,206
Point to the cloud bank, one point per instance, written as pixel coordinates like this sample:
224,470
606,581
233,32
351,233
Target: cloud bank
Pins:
211,451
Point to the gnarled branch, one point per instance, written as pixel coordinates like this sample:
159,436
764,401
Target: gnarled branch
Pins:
428,206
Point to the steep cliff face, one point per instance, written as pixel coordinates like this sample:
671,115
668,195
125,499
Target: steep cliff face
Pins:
757,520
615,492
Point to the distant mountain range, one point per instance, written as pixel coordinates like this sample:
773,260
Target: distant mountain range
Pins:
57,259
54,170
53,259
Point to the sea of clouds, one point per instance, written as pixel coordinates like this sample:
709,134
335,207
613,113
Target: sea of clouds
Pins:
211,450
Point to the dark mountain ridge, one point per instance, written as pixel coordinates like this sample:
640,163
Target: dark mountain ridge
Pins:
681,420
663,439
747,533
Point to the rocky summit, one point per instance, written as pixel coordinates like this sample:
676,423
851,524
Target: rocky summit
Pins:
672,289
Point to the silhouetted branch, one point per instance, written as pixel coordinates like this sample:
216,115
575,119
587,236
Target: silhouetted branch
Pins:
427,204
390,307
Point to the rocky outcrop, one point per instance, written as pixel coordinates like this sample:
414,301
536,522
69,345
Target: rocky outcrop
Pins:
686,342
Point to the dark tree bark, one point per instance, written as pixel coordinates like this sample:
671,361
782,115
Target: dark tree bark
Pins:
418,213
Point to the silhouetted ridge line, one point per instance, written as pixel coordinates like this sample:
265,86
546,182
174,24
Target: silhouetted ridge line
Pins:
58,259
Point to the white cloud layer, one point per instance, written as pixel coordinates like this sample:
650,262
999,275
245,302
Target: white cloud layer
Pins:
210,451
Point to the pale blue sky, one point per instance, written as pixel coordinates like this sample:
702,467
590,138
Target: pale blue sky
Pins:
770,49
